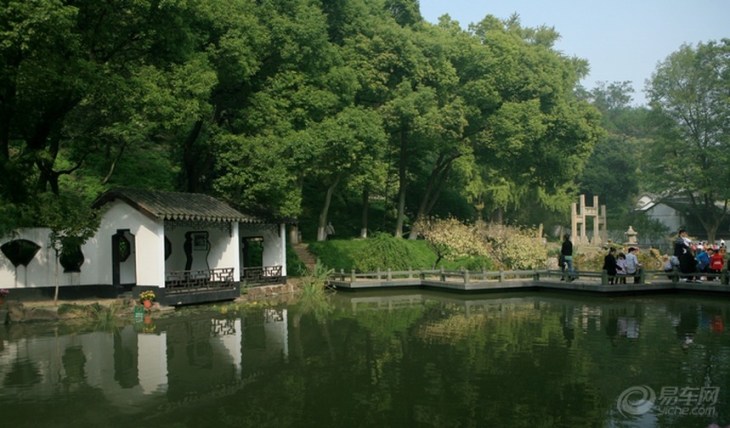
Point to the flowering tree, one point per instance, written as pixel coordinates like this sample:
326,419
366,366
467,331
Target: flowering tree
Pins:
451,239
513,247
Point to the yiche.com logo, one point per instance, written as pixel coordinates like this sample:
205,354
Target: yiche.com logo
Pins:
636,400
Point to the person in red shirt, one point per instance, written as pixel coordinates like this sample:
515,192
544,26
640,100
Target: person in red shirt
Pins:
716,261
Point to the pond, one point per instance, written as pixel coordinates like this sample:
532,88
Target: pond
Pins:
387,359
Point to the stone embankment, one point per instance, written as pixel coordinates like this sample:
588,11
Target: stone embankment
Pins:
70,310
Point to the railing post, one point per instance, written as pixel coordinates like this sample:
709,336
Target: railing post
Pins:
378,274
642,276
501,276
390,275
442,275
604,277
352,275
410,272
535,275
466,276
725,277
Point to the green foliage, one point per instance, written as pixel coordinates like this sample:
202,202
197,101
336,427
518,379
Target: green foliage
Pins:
294,266
612,170
383,251
342,254
272,105
314,298
690,110
366,254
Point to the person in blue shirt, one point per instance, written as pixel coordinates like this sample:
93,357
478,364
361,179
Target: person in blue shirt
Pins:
703,260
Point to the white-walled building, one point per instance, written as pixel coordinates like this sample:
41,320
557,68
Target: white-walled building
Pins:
189,248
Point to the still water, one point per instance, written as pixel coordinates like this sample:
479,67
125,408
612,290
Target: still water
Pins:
405,359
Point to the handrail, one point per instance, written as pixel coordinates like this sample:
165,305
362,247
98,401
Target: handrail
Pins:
200,278
466,276
261,274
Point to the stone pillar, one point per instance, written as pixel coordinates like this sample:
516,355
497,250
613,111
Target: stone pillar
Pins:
596,222
573,221
583,239
578,217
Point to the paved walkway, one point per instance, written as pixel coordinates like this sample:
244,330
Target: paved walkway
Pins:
589,284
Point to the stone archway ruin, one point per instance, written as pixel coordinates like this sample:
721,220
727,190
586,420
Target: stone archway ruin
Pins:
578,222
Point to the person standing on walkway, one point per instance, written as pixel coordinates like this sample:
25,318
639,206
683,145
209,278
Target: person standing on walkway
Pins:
566,258
683,253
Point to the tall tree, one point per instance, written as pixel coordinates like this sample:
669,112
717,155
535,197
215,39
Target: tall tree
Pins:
538,134
688,95
612,170
80,87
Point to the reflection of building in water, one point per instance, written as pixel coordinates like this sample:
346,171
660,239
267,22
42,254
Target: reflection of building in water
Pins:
69,361
265,339
590,314
226,338
186,359
152,362
628,327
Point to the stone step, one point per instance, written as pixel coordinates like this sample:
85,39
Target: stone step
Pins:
302,251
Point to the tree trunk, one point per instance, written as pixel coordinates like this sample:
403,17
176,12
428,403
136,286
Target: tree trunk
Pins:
708,215
191,159
322,226
497,216
436,180
365,208
402,184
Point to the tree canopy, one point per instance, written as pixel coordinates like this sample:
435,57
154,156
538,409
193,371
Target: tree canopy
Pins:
299,108
690,104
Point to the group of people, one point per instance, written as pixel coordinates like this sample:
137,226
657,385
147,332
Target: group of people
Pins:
620,266
696,261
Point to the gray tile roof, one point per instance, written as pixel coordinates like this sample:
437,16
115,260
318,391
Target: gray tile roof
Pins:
177,206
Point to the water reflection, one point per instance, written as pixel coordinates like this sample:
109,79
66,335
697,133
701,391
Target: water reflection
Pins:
364,359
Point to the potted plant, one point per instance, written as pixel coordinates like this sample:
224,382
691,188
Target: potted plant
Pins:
146,298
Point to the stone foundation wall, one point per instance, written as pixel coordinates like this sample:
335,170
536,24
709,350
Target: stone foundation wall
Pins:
268,291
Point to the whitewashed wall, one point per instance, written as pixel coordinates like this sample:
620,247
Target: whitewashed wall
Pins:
149,251
147,261
40,271
224,248
667,215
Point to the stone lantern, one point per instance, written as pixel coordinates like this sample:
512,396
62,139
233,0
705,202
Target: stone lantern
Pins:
631,235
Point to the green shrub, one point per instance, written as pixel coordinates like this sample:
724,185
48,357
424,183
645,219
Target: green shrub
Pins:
294,266
383,252
387,252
